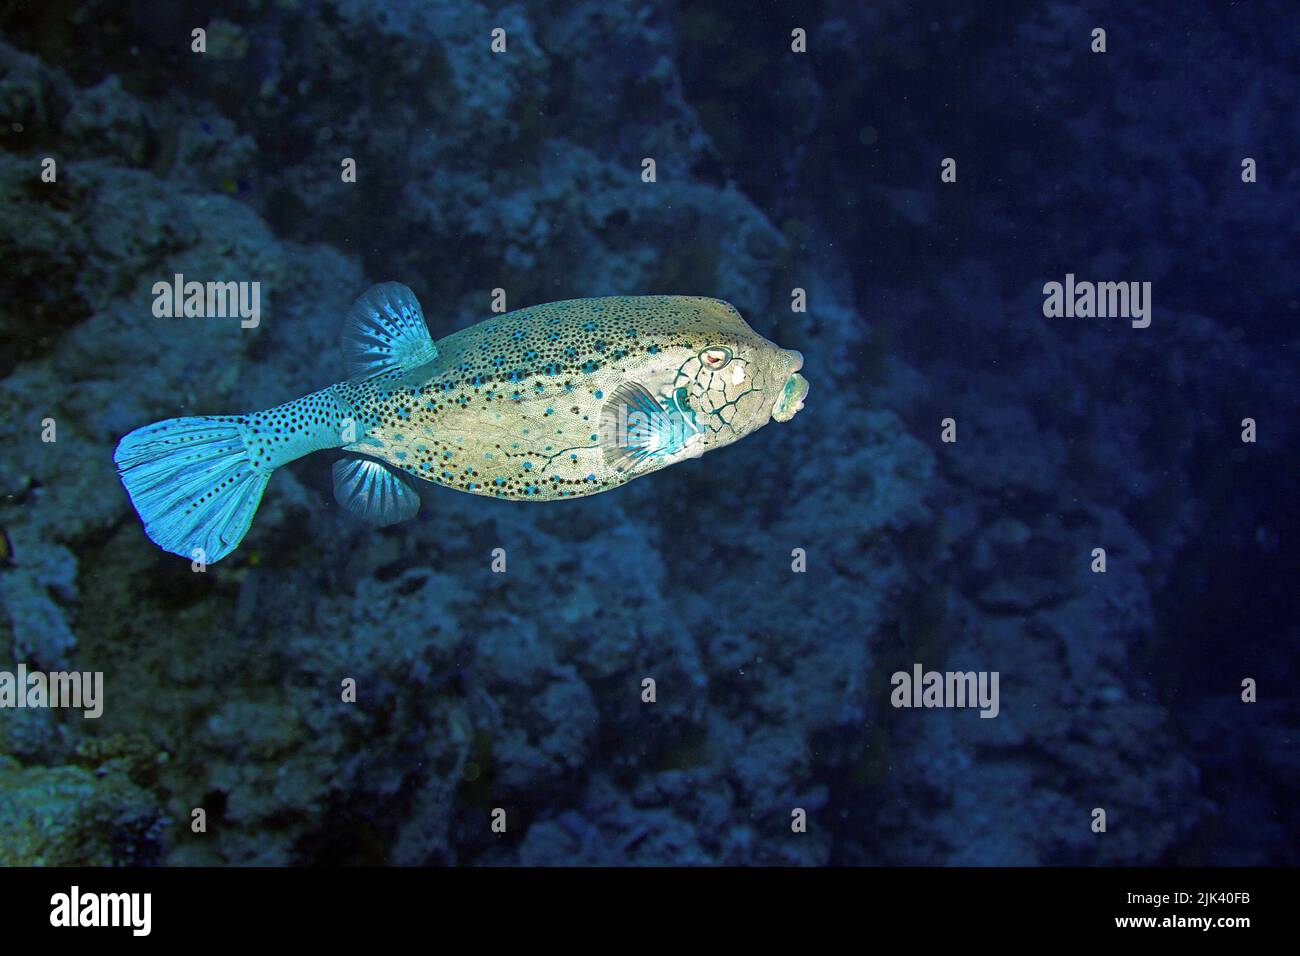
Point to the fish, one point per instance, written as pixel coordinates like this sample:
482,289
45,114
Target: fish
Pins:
553,401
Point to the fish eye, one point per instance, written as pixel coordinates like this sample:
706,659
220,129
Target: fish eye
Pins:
715,358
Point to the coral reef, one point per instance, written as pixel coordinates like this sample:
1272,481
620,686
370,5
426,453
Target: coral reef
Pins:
523,691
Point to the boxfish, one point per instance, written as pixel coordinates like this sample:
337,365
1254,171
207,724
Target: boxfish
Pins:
560,400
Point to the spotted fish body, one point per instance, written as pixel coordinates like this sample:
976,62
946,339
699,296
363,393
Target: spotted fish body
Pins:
554,401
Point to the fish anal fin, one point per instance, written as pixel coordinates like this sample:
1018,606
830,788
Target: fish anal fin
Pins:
374,492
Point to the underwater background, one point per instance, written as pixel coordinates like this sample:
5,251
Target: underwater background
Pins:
776,170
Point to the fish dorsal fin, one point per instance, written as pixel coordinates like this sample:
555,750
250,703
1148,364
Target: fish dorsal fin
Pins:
385,333
370,490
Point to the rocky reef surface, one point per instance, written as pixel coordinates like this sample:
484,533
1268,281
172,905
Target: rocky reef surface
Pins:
524,691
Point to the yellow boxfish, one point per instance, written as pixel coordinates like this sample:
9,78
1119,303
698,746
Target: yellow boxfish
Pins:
554,401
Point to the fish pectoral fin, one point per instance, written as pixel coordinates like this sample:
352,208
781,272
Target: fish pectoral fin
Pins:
385,333
373,491
635,428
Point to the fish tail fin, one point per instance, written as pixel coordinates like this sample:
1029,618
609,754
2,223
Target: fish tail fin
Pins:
193,483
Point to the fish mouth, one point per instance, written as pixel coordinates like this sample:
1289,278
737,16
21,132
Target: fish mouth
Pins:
792,396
